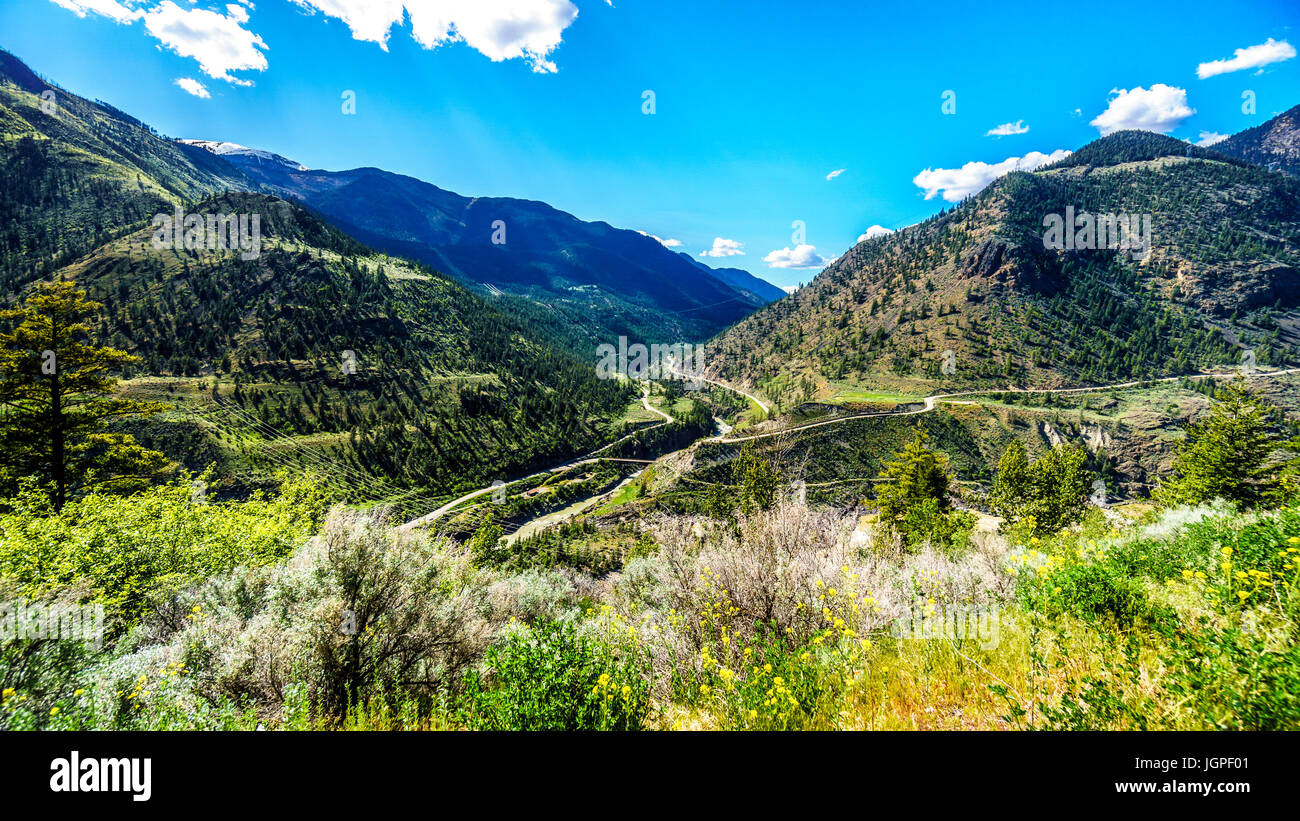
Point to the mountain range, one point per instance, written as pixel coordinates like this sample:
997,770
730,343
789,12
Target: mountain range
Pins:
603,280
472,321
393,374
974,297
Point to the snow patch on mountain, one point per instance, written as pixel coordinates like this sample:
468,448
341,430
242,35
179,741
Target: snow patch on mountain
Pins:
225,149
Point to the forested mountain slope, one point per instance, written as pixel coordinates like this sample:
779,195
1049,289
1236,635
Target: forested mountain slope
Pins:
402,371
978,281
74,173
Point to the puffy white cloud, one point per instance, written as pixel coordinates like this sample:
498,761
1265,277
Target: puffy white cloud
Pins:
790,289
971,178
1007,129
193,86
724,248
108,8
1161,108
801,256
875,231
498,29
218,41
1209,138
1267,52
836,173
667,243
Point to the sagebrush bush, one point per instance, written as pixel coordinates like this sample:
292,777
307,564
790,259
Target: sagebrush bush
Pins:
355,615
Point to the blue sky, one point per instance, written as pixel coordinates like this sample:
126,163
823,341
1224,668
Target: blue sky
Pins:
755,103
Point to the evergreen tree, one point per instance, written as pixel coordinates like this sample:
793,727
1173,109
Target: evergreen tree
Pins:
757,477
56,396
1234,453
1052,492
916,475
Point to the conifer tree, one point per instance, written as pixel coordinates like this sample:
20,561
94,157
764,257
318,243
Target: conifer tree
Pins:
56,396
1237,453
916,475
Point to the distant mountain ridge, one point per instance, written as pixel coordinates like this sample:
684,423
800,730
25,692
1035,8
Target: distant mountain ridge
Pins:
608,280
581,282
741,279
1274,144
234,149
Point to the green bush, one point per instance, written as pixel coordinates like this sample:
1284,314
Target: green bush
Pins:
1093,591
926,523
134,552
554,678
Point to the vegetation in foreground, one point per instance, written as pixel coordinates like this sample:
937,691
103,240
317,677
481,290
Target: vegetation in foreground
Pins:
756,612
777,616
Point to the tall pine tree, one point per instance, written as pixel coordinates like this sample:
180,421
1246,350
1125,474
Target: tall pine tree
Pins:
56,396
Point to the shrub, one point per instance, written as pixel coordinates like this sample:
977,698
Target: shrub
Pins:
356,616
926,524
44,682
554,678
135,553
1093,591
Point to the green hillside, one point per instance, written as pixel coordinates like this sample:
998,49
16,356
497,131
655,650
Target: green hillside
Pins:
977,280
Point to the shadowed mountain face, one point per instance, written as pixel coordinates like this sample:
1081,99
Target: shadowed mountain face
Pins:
82,171
1274,144
609,281
977,287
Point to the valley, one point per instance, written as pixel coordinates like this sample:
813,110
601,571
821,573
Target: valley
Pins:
345,449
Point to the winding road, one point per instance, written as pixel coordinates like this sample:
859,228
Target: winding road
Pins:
929,404
431,517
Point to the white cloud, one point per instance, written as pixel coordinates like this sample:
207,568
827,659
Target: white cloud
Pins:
801,256
1007,129
875,231
724,248
1267,52
836,173
193,86
1209,138
498,29
108,8
667,243
1161,108
971,178
218,41
790,289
